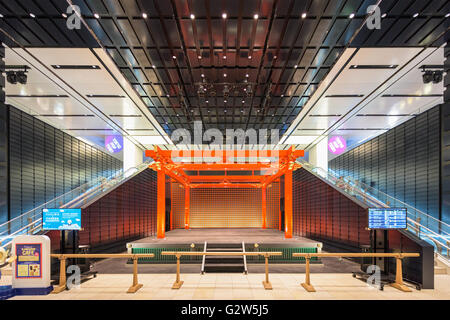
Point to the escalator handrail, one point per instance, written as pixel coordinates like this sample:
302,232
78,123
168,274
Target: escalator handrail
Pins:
364,187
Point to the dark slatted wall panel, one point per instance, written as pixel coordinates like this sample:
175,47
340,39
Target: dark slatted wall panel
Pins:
322,213
127,212
403,162
445,121
46,162
3,146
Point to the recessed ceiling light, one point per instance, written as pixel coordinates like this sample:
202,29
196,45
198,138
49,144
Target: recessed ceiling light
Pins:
144,15
225,101
207,101
384,15
303,15
32,15
64,15
96,15
447,15
224,15
243,101
415,15
225,75
192,16
255,17
351,15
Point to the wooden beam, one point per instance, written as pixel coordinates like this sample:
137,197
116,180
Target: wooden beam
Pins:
161,205
187,198
264,207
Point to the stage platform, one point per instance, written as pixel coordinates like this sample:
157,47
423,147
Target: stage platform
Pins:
266,240
228,235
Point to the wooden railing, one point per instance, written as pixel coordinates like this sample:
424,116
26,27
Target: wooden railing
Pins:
398,284
178,254
62,270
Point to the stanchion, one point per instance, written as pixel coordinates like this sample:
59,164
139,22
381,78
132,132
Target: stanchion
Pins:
398,284
267,285
178,283
62,276
307,284
63,257
135,286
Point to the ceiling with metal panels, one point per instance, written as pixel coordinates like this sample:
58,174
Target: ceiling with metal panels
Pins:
230,64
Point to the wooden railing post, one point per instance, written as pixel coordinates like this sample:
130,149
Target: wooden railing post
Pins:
307,284
63,258
267,285
135,286
398,284
62,275
178,283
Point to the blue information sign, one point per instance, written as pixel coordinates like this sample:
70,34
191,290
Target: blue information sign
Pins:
61,219
387,218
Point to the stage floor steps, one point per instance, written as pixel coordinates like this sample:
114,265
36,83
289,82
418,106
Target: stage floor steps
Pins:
224,263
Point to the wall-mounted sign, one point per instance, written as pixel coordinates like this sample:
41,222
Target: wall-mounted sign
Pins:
61,219
387,218
114,144
337,145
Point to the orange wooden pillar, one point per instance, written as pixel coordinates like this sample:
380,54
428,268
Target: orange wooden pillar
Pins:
264,207
288,204
161,205
187,198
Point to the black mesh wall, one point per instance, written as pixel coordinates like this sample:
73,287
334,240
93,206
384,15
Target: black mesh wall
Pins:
404,162
46,162
322,213
3,145
445,116
126,212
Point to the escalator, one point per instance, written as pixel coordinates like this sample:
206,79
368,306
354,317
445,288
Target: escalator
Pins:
422,225
30,222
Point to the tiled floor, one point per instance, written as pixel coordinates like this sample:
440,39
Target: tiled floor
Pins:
238,286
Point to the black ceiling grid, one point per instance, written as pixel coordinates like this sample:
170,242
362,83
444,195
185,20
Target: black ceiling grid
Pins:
130,67
136,44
